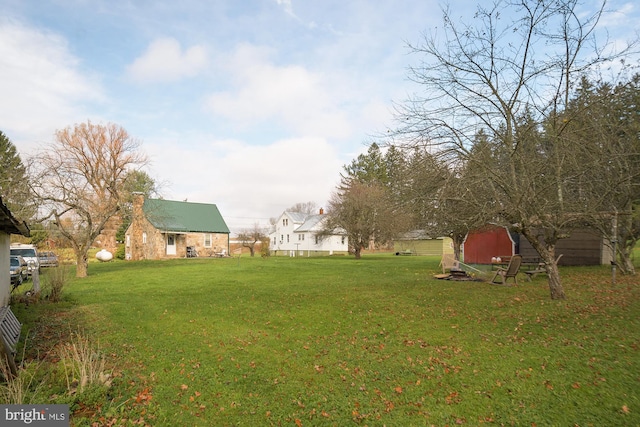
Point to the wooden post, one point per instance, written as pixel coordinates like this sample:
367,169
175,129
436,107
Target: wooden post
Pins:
35,277
614,261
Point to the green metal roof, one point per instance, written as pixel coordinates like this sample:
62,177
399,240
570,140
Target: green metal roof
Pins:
185,217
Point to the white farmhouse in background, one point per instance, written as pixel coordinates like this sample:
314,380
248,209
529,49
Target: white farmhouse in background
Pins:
298,234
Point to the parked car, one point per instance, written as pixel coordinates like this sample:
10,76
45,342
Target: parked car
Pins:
28,252
19,270
48,259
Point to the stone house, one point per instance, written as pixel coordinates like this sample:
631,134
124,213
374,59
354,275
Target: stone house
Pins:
163,229
8,225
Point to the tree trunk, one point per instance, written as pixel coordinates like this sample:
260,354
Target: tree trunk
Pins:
356,251
458,239
81,264
252,249
555,285
626,264
547,251
625,251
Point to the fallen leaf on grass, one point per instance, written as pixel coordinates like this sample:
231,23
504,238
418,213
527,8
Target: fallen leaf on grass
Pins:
144,396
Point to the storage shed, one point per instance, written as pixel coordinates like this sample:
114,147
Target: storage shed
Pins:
583,247
418,242
490,241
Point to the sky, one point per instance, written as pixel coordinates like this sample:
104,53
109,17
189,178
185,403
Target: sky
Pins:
253,105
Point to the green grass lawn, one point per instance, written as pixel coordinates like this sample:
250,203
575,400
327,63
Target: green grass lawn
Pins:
338,341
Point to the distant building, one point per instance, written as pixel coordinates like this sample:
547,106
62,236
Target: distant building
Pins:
298,234
418,242
169,229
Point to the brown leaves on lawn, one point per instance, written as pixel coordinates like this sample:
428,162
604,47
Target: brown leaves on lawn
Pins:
144,396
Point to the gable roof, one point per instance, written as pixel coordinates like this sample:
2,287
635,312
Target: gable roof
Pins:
309,223
296,217
185,217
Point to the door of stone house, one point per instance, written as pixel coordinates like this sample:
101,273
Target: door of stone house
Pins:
171,244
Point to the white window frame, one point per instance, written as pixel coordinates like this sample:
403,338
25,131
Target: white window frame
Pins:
209,237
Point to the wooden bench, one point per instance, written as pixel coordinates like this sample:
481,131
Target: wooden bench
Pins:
540,269
405,252
9,334
532,273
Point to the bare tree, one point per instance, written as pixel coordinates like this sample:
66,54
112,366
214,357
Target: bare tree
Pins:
440,196
363,211
308,208
508,77
79,179
251,236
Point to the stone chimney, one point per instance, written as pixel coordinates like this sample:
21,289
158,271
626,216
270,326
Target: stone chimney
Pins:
138,202
135,232
321,211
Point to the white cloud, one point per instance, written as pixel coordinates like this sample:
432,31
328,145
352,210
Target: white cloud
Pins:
249,182
290,95
41,83
621,16
287,6
165,61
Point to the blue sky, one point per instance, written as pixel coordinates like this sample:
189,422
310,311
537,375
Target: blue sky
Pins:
253,105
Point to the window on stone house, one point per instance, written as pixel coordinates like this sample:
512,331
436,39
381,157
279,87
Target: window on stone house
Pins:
144,238
207,240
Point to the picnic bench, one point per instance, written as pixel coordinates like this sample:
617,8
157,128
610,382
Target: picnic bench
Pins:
9,334
541,269
528,263
405,252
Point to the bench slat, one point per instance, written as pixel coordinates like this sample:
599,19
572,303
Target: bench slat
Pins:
10,328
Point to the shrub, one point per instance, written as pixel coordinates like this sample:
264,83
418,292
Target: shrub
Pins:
120,252
56,278
83,364
23,388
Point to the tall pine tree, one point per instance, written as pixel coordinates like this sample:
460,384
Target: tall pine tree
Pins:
14,184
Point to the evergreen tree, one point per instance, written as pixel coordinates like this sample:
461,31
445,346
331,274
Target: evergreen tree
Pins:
14,182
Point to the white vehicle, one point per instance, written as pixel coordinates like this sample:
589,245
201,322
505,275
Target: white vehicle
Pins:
29,253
